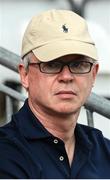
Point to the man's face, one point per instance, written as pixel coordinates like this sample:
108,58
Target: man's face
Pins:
61,93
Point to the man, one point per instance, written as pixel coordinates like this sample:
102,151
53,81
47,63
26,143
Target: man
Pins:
58,69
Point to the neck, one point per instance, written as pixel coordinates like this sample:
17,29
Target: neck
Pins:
61,126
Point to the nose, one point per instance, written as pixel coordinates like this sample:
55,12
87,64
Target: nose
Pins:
65,75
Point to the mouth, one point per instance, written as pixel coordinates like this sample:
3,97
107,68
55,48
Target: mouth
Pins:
66,94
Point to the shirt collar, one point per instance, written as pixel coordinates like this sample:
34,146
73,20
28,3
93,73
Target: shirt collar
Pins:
29,125
83,134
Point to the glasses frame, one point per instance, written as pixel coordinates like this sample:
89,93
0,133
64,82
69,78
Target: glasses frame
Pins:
62,66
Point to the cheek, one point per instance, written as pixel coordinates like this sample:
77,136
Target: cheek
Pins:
85,86
38,87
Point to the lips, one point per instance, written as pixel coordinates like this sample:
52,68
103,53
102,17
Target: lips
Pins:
65,94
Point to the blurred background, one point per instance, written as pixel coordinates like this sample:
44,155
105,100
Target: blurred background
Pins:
14,17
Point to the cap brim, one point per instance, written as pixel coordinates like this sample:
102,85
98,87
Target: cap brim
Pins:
56,49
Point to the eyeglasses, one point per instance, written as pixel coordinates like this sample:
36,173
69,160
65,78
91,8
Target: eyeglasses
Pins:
54,67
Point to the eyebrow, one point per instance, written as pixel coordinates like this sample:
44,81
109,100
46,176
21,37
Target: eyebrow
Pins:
73,60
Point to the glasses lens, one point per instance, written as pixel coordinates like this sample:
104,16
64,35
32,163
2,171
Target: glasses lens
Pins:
50,67
80,67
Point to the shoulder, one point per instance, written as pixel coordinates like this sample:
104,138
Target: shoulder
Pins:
12,142
93,135
9,139
89,130
13,153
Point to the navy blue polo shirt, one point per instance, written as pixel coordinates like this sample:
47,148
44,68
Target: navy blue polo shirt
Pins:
28,150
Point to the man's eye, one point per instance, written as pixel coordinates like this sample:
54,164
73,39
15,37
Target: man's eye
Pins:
77,64
52,65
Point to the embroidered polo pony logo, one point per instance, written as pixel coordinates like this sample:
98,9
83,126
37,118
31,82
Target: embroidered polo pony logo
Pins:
65,29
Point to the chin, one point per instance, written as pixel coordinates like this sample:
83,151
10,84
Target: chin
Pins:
67,110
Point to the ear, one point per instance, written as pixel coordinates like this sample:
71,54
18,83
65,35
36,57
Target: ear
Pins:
23,75
95,71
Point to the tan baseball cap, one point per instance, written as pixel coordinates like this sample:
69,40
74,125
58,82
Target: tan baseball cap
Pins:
56,33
